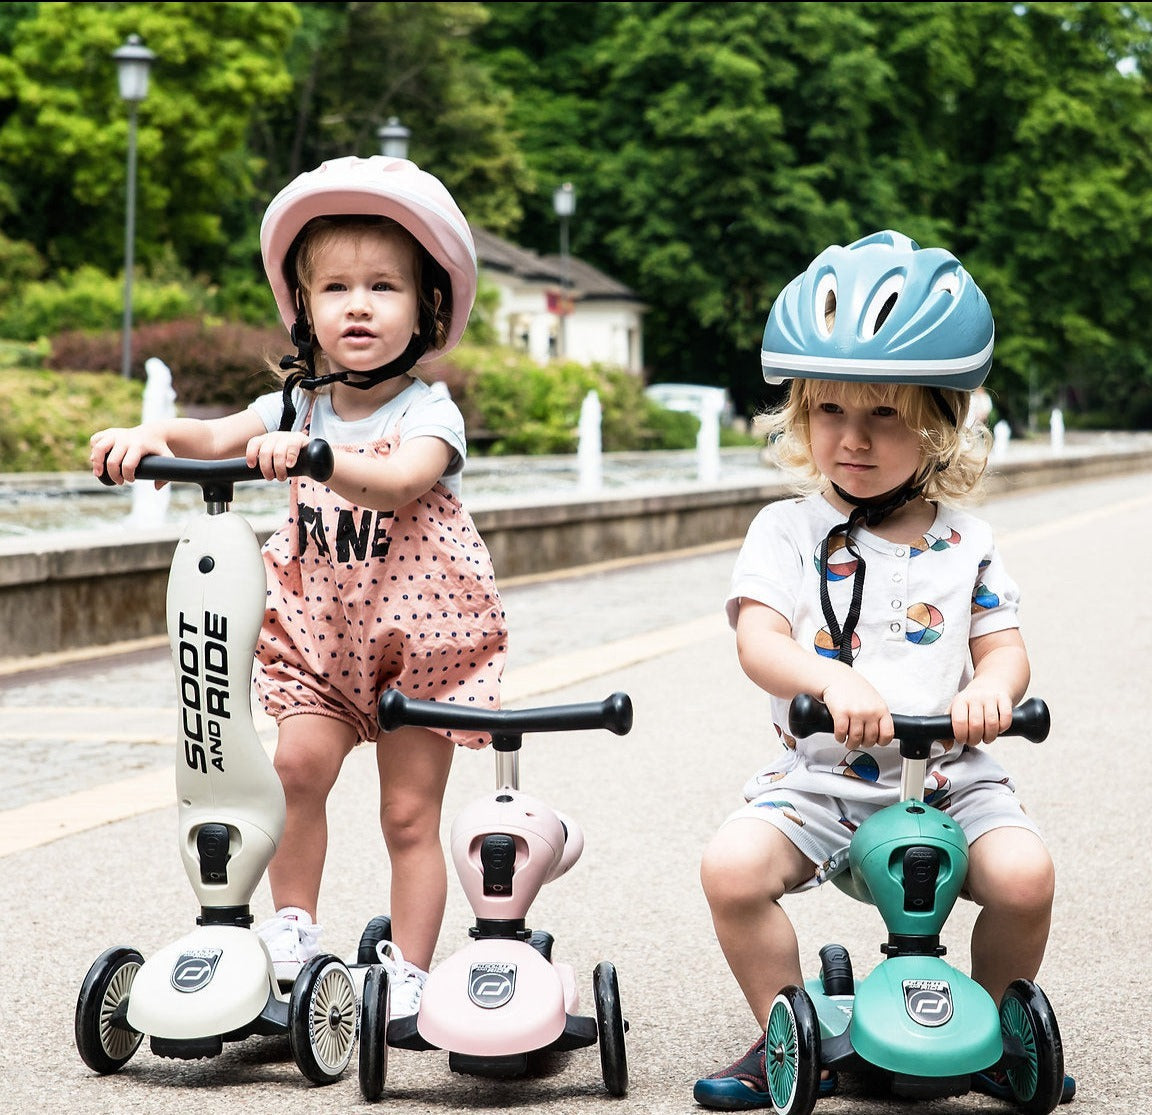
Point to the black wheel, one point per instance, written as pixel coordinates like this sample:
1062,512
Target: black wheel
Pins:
377,930
1033,1052
322,1019
610,1028
104,1041
792,1053
374,1004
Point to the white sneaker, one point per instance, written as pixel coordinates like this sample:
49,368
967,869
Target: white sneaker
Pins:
292,939
405,981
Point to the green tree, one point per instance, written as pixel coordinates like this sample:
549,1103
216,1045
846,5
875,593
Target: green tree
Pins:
717,147
214,64
354,65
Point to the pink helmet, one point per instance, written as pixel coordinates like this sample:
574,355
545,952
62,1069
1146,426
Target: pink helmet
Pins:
379,186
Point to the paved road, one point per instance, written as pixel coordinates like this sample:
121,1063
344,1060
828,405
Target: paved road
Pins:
87,832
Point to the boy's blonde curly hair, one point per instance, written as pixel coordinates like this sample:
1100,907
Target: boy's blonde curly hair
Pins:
954,455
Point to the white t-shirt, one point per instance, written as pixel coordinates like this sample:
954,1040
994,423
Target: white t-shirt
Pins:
420,410
921,606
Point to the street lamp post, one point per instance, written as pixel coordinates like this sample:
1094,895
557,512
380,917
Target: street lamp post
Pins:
564,202
133,60
393,138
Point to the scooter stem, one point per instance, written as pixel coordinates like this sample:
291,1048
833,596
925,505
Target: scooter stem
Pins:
912,773
508,770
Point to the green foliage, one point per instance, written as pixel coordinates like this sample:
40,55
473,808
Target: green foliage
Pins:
216,64
355,65
513,405
47,418
89,299
715,149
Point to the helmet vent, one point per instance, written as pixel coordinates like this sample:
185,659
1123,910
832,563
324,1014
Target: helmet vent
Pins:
881,305
825,304
885,310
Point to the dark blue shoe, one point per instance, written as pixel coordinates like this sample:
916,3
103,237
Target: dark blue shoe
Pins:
994,1083
743,1086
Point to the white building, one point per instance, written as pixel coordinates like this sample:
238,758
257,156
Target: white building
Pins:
603,324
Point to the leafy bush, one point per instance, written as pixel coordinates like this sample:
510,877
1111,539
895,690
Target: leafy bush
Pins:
47,418
213,365
513,405
510,403
88,299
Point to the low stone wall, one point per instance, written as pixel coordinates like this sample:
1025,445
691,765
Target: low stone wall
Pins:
69,593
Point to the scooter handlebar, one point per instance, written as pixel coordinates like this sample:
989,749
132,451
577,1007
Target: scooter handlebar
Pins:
315,461
613,713
1031,720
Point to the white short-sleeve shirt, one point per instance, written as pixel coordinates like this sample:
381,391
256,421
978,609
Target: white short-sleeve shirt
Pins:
921,605
420,410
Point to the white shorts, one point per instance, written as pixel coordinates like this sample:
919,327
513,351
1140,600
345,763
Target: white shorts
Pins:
822,826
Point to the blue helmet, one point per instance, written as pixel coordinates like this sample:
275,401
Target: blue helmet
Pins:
881,310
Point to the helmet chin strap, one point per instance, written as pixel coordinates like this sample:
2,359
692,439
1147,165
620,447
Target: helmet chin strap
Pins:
301,368
871,512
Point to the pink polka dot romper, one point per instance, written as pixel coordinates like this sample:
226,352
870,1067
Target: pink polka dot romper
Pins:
362,600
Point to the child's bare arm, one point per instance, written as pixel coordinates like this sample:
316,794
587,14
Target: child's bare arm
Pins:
118,450
363,478
1001,672
775,662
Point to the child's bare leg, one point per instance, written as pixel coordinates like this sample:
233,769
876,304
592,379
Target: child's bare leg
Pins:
746,869
1011,876
309,753
414,765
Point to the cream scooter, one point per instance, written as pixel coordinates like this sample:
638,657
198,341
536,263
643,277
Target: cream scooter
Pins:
216,984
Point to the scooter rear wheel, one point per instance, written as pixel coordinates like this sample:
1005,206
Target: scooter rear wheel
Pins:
610,1028
322,1019
373,1063
792,1053
1037,1075
106,1048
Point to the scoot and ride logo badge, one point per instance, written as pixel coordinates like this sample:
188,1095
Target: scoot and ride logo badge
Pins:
202,655
491,985
928,1001
194,969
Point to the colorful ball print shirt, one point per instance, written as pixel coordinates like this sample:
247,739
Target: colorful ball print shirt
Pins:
922,604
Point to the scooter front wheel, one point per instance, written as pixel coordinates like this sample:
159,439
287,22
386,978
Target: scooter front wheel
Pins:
610,1028
322,1019
792,1053
374,1005
103,1038
1033,1051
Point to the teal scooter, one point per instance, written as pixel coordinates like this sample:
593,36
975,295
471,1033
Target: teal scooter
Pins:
914,1020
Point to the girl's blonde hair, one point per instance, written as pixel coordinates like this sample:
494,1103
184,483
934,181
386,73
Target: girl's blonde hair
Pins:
954,455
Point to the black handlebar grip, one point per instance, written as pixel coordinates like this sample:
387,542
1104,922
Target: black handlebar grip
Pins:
1030,719
315,460
614,713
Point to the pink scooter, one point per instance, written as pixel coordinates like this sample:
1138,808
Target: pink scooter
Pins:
501,999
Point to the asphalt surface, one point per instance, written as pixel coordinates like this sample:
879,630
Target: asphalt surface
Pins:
87,837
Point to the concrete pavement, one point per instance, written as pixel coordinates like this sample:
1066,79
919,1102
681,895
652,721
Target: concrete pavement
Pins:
91,737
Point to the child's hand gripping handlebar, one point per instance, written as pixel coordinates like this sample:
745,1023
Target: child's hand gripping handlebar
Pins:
916,734
217,478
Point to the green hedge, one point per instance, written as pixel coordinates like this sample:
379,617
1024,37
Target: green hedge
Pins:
510,404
